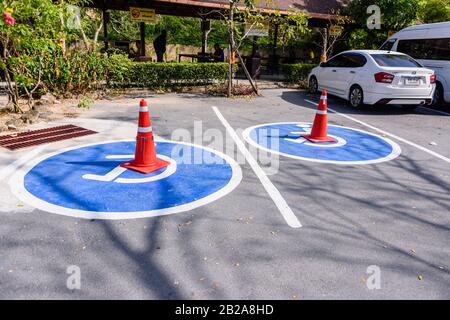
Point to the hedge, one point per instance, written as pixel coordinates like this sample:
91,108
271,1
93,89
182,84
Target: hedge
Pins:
297,72
164,75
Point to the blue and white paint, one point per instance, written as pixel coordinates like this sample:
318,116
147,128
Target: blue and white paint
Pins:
87,181
353,146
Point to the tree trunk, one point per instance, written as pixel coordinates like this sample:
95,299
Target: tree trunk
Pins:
231,49
323,58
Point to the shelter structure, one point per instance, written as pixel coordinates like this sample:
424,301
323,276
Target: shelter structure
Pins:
319,11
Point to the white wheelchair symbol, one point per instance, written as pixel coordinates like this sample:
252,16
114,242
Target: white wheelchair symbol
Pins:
114,174
307,129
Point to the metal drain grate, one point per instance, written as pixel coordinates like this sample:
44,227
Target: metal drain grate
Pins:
36,137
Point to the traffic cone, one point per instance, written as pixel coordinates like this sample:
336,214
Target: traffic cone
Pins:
319,130
145,160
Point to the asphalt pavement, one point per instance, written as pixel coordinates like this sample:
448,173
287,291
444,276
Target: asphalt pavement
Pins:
394,214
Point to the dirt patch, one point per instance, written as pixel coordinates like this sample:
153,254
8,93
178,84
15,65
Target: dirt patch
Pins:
42,111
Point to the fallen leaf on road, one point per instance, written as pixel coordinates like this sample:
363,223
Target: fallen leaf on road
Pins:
420,277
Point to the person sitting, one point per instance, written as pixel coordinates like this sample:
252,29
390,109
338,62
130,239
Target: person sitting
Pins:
218,54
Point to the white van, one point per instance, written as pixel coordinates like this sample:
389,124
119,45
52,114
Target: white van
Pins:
430,45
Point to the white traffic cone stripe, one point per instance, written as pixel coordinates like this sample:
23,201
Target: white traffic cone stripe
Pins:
145,129
143,109
323,98
321,112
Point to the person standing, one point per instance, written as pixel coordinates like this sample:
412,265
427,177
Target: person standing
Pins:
160,44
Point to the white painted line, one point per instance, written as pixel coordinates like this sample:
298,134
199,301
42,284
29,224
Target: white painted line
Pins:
110,176
434,110
21,161
120,156
117,171
273,192
171,169
435,154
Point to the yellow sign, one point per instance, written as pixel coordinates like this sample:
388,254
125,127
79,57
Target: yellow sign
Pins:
336,31
143,15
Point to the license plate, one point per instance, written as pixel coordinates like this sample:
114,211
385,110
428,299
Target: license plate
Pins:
412,81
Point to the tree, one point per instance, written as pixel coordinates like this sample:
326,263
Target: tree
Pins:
435,11
291,26
32,46
395,15
331,34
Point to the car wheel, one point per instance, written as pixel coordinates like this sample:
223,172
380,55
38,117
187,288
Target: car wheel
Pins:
438,98
356,97
313,85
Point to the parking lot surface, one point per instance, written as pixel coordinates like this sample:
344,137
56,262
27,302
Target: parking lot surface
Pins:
275,227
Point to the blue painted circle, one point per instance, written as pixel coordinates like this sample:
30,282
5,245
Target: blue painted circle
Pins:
200,174
356,147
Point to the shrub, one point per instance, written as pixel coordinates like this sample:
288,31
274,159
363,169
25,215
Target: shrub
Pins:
76,72
123,73
297,73
50,70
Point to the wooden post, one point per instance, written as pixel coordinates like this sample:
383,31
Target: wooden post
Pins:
204,35
105,27
142,30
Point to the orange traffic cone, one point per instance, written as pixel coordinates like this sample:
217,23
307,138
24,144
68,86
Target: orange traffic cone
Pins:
319,129
145,160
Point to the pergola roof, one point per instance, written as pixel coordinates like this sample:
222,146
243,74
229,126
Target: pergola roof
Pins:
317,9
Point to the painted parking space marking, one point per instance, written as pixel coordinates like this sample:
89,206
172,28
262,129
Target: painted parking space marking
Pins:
415,145
286,211
353,146
85,181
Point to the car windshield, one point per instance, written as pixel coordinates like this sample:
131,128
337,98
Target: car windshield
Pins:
395,60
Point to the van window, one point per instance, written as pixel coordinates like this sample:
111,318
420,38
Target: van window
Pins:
388,45
426,49
395,60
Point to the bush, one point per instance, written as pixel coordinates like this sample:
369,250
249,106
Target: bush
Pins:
124,73
75,72
297,73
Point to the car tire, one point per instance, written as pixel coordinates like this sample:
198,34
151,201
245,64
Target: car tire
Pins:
438,98
356,97
313,85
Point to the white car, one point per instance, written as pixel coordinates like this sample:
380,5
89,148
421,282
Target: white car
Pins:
375,77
